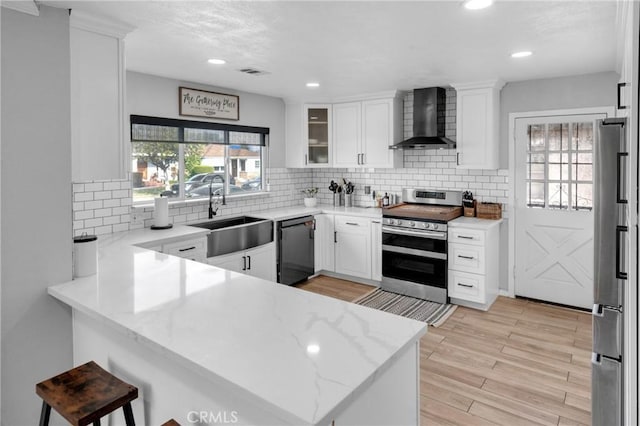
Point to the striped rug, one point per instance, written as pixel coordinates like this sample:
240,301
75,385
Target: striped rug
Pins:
433,313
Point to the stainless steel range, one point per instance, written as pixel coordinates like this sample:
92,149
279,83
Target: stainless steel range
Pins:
414,243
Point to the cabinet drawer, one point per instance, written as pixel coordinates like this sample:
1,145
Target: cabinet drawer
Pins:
192,249
473,237
466,258
352,224
466,286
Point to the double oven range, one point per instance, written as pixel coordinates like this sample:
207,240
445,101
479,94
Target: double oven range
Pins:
414,243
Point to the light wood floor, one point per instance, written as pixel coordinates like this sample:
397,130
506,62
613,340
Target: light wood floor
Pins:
520,363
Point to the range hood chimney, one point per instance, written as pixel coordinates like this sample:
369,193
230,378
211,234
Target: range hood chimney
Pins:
429,107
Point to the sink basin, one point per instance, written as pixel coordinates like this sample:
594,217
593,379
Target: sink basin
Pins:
228,222
234,234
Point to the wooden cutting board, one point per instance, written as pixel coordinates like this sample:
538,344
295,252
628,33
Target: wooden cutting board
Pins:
422,211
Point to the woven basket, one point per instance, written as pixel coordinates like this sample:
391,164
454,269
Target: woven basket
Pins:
489,211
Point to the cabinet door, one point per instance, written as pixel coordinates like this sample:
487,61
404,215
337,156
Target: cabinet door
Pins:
261,262
377,133
376,250
347,151
324,246
477,115
317,135
353,246
97,102
232,262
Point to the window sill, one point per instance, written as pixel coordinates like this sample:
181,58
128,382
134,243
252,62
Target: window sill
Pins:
203,200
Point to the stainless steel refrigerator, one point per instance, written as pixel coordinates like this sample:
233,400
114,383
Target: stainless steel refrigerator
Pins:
610,270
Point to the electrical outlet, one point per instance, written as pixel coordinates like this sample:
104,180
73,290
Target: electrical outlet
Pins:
136,217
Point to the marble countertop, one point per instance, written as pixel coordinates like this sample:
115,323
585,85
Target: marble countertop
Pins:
473,222
291,212
301,355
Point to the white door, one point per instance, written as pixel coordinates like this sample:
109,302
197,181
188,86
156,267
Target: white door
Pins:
553,208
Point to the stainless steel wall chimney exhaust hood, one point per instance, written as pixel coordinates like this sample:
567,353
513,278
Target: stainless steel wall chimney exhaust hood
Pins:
429,116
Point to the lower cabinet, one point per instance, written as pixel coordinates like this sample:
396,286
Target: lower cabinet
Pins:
473,265
376,250
258,262
353,246
324,243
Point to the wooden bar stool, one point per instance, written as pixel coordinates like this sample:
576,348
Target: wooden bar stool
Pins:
85,394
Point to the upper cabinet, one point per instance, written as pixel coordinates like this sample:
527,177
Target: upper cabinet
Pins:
308,135
98,122
347,134
363,131
477,124
627,47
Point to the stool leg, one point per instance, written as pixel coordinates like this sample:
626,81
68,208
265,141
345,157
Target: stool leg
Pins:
128,414
44,414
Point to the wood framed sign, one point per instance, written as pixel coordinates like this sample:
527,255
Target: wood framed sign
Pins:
200,103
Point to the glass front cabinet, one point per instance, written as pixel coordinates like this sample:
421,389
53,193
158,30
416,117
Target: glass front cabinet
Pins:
317,135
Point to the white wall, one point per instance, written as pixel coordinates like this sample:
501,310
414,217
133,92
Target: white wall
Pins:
36,206
158,97
590,90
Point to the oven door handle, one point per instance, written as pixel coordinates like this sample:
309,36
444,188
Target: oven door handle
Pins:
415,252
422,234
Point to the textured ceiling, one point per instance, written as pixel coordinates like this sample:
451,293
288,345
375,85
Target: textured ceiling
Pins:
359,47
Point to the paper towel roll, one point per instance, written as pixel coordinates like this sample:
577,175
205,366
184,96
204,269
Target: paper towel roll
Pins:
161,212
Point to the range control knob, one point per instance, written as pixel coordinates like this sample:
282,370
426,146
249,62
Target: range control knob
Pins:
435,226
392,221
427,225
412,224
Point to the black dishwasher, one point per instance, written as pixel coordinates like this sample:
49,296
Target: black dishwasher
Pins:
295,249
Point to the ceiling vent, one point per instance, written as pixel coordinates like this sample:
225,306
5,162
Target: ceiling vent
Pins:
253,71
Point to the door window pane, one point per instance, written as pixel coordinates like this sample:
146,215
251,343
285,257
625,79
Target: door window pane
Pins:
560,166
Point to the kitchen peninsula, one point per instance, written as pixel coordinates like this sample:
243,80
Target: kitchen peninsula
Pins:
199,339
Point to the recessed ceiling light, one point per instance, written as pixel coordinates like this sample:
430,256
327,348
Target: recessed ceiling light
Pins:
522,54
477,4
217,61
313,84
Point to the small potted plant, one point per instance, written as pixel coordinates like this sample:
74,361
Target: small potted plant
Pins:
310,199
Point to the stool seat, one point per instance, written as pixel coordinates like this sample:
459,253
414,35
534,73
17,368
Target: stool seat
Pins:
86,393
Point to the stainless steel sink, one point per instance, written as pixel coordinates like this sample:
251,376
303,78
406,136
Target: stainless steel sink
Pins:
234,234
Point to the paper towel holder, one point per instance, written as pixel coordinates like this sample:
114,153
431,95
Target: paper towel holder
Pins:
168,225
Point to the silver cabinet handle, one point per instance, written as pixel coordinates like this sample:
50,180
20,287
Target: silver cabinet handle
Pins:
249,267
465,285
305,160
335,236
375,221
363,158
457,158
353,223
244,263
187,249
464,237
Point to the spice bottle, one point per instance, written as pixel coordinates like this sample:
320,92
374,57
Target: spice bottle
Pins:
385,200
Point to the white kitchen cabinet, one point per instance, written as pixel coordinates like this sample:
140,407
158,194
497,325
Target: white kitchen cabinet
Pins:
363,132
308,135
376,250
353,246
258,262
477,124
347,134
324,245
98,124
192,248
474,262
